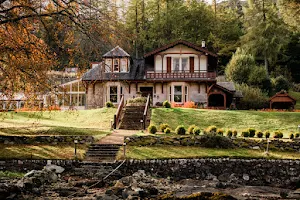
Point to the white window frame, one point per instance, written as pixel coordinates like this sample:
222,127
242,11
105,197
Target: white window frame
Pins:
123,63
110,95
174,94
116,60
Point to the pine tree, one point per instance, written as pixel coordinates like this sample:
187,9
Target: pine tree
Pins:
266,33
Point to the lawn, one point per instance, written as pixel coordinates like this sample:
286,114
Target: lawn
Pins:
227,119
82,122
165,152
296,95
41,151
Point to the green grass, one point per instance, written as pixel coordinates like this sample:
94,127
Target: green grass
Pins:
83,122
41,151
296,95
9,174
165,152
239,119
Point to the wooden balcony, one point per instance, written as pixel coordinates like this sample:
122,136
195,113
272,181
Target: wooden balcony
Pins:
181,75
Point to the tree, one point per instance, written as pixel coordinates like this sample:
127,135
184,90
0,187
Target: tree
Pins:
37,36
240,66
290,10
265,31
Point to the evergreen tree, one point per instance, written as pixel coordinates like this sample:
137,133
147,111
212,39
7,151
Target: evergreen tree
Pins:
266,33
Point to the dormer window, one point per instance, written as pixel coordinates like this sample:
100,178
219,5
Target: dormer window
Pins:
116,65
124,65
116,60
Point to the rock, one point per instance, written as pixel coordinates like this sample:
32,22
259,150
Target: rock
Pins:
246,177
6,142
56,168
256,147
107,197
30,174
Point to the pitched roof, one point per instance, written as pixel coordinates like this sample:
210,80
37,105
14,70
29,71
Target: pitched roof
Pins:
204,50
136,72
228,85
116,52
281,94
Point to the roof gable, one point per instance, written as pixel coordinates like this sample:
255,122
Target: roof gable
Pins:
116,52
281,95
188,44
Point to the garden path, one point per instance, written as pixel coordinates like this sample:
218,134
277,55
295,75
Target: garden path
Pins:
117,136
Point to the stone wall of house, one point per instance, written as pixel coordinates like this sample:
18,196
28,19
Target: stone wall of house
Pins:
259,172
95,97
277,144
46,139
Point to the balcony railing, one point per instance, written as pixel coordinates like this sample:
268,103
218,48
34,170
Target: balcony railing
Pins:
180,75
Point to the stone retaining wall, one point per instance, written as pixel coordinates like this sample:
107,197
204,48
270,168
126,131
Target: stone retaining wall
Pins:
45,139
279,173
277,144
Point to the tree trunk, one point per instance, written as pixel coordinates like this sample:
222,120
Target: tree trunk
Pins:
266,65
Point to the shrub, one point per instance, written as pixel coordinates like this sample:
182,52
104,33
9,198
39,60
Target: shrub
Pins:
245,133
137,100
253,98
162,127
211,129
167,130
152,129
180,130
220,132
229,133
297,135
235,133
278,134
166,104
212,140
251,132
191,129
291,136
281,83
189,104
196,130
259,134
267,134
109,104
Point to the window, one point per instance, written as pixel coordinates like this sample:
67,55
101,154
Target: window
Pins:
178,94
116,65
124,65
121,90
176,64
184,64
185,94
113,94
108,65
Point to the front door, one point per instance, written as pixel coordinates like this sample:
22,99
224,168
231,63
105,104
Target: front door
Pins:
146,90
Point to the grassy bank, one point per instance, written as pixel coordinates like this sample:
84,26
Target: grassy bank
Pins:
296,95
239,120
165,152
9,174
83,122
41,151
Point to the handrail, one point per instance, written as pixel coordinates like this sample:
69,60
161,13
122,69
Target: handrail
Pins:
118,113
146,111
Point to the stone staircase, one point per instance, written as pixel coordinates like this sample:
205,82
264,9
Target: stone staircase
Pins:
132,116
102,152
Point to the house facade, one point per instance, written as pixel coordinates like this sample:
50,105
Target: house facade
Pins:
177,72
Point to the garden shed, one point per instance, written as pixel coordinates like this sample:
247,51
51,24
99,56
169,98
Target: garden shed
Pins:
223,95
282,100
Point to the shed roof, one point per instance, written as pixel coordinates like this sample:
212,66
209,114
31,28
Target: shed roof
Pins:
167,46
282,96
116,52
228,85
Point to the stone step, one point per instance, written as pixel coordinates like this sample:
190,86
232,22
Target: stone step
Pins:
104,149
101,153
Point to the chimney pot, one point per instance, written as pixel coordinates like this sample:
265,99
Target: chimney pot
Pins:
203,44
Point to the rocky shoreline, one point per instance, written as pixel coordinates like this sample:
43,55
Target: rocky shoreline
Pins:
53,182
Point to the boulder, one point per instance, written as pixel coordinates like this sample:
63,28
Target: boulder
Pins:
55,168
